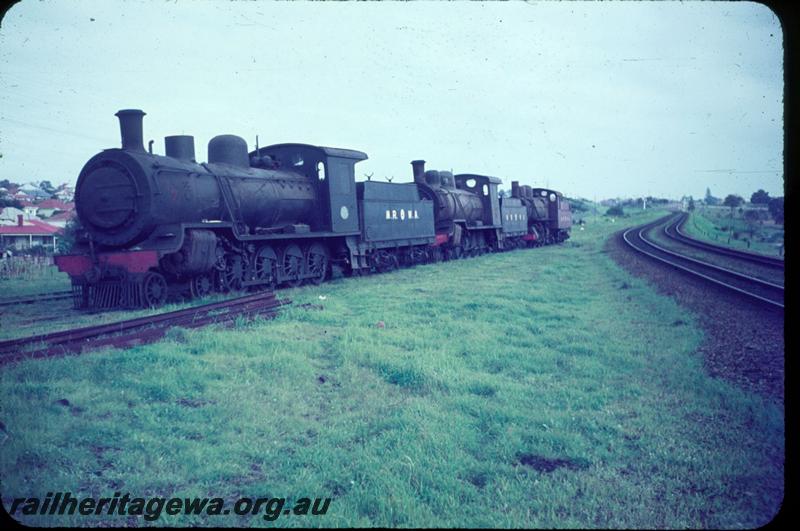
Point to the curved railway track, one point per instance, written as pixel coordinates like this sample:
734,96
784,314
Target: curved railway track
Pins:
140,330
766,292
674,232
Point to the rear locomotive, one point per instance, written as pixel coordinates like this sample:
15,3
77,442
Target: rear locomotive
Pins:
154,224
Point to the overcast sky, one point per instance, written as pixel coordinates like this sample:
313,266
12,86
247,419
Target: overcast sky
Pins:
594,99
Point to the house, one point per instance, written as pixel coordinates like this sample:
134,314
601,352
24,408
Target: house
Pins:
48,207
65,193
61,219
9,215
29,233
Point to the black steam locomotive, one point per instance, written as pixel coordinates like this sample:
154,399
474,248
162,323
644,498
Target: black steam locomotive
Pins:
280,215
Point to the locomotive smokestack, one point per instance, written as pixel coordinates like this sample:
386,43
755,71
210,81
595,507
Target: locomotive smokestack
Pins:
130,127
514,188
418,166
180,147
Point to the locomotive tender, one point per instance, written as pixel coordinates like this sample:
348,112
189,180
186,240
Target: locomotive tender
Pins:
280,215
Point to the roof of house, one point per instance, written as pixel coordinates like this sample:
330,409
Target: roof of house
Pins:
58,204
62,216
30,227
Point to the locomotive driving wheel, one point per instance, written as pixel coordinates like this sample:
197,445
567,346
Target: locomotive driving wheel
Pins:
154,290
264,266
232,276
317,262
418,255
384,261
201,285
291,264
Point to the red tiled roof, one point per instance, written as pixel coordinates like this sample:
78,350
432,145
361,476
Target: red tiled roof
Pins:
31,227
62,216
54,203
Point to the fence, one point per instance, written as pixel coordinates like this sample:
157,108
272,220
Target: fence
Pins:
26,267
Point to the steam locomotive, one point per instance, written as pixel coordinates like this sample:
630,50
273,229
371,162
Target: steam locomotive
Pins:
284,214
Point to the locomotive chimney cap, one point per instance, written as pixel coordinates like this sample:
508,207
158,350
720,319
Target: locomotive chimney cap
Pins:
124,112
130,127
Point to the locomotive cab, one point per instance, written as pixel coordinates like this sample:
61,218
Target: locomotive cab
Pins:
332,171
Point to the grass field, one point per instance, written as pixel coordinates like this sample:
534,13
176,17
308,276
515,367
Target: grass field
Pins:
48,280
538,388
711,223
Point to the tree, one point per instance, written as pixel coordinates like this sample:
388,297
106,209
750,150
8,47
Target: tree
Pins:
751,217
70,235
47,186
10,202
576,205
732,201
615,211
760,198
775,206
691,205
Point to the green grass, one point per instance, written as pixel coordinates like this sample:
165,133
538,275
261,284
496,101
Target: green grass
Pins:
538,388
48,280
712,224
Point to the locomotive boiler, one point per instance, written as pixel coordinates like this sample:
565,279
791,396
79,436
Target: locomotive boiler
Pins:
123,195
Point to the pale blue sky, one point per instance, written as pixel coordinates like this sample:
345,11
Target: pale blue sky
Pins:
595,99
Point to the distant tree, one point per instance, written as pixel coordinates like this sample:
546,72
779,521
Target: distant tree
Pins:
47,186
691,204
752,218
775,206
5,183
615,211
733,201
10,202
760,198
504,193
576,205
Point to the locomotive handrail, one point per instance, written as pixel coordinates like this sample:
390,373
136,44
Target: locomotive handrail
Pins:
230,201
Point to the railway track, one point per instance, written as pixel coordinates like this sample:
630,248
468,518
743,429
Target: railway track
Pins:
674,232
140,330
33,299
763,291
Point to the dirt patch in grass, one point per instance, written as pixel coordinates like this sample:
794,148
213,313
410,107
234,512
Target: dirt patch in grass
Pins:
544,464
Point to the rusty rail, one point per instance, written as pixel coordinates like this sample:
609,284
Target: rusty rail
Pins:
140,330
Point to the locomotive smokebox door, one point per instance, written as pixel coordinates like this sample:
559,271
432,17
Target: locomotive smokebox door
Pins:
340,176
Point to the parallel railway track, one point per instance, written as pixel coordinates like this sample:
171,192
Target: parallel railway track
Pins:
768,293
140,330
674,232
33,299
